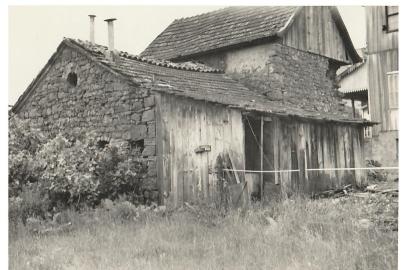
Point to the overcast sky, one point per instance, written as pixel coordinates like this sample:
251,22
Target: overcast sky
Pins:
35,32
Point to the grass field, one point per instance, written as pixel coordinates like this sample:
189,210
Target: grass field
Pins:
344,233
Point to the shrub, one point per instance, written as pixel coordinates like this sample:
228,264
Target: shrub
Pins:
24,142
77,171
69,169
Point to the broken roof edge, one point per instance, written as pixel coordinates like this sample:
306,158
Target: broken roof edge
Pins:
269,112
198,67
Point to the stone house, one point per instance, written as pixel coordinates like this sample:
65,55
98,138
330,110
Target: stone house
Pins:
249,89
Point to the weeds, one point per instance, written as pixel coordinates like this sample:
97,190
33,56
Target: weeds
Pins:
293,234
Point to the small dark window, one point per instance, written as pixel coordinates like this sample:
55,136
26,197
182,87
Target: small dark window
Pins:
392,18
72,79
102,144
137,145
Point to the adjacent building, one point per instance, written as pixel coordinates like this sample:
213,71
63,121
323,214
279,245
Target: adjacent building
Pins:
383,71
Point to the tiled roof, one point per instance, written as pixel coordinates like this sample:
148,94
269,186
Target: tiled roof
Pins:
344,71
190,65
193,81
220,28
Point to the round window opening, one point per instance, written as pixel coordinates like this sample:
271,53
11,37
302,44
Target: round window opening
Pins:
72,79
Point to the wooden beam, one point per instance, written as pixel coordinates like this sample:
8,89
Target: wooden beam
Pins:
353,107
262,158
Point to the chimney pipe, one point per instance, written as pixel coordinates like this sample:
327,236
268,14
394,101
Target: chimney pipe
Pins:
110,33
91,38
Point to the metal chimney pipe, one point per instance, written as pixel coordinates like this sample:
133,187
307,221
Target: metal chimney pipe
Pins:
91,38
110,33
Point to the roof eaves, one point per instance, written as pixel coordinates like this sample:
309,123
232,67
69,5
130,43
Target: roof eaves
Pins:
344,33
244,44
350,70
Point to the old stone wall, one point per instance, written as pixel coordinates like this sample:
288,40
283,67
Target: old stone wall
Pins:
283,73
101,102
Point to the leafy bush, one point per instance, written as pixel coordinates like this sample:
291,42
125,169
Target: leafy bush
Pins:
80,172
71,169
24,142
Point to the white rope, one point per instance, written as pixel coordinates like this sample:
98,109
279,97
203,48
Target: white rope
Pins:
229,170
323,169
353,169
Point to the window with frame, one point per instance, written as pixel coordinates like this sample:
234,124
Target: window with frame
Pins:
393,90
392,18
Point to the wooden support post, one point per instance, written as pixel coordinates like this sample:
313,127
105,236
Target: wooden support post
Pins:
262,158
353,107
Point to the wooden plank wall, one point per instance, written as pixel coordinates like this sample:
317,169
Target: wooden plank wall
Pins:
314,30
184,125
378,39
310,145
382,49
379,64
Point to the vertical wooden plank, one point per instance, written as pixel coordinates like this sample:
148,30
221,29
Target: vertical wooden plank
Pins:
168,158
262,158
276,147
333,149
180,151
159,127
199,158
302,37
341,154
285,157
205,129
295,177
301,144
174,169
187,133
326,158
323,30
268,152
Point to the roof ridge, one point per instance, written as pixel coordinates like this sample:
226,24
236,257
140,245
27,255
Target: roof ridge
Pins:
201,14
188,66
230,8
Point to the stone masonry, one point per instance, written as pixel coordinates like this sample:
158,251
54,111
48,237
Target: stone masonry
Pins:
101,102
284,74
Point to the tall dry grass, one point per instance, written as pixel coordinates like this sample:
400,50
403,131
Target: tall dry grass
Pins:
294,234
